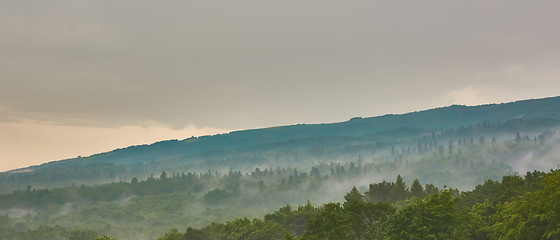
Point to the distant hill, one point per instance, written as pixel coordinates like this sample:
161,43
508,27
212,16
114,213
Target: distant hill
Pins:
290,145
438,118
211,179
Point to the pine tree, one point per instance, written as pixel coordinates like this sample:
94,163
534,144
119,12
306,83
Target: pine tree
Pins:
353,196
416,189
399,191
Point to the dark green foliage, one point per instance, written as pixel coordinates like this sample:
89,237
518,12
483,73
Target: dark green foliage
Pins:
163,175
174,234
215,196
379,192
430,189
514,208
534,215
435,217
295,221
416,189
533,180
442,215
329,223
367,220
288,236
240,229
45,232
105,237
353,196
497,192
193,234
393,192
399,191
147,208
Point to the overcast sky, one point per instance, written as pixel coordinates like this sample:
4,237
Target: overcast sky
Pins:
81,77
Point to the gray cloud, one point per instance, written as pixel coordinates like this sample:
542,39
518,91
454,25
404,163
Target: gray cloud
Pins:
249,63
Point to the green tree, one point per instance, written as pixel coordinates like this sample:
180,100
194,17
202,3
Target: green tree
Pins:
215,196
366,220
174,234
288,236
194,234
105,237
535,215
399,191
416,189
330,223
477,220
430,189
435,217
379,192
266,230
294,221
353,196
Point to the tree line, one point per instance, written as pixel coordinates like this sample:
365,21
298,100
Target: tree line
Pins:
514,208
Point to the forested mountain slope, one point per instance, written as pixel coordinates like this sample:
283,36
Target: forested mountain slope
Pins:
200,183
297,146
439,118
147,207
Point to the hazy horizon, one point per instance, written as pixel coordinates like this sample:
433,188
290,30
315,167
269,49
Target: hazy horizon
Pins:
79,78
134,135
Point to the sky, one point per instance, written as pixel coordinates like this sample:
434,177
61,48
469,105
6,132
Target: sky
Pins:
83,77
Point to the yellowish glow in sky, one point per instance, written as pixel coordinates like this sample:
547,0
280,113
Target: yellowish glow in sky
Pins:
26,144
469,96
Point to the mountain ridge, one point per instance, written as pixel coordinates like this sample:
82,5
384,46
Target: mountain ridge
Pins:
436,118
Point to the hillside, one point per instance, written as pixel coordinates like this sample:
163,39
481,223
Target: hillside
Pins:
146,208
197,182
439,118
275,146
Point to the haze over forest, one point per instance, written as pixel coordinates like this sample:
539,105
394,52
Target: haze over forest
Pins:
199,187
279,120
